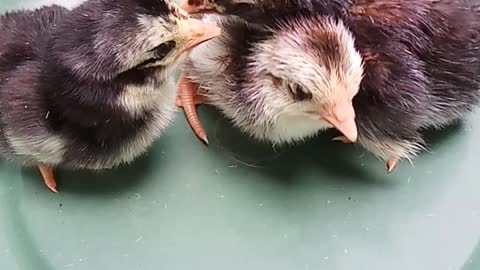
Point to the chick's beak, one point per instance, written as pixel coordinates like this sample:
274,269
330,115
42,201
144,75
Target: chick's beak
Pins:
200,33
342,117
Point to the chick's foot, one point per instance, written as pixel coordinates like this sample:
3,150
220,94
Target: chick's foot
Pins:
187,98
392,165
48,178
198,99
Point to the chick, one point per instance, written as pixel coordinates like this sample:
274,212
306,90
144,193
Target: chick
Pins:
90,88
295,67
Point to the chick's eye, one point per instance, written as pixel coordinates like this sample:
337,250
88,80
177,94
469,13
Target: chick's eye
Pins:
298,93
162,50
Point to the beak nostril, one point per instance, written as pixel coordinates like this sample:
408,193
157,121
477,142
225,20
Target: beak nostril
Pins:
197,29
198,33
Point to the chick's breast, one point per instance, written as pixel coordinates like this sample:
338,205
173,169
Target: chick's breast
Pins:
206,64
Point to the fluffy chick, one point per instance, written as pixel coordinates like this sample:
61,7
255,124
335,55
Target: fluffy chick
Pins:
90,88
421,62
257,76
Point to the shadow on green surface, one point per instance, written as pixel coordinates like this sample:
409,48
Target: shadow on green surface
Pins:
281,165
340,161
281,161
116,180
26,252
435,138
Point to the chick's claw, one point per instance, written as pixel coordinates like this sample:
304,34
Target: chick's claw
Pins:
187,98
48,178
392,165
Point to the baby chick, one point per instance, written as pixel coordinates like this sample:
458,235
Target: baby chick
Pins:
294,67
90,88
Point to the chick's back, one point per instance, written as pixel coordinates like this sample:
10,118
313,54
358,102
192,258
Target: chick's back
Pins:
24,36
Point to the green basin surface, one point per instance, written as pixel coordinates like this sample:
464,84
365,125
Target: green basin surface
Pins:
238,204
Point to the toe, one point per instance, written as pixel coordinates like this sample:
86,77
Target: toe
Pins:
392,165
48,178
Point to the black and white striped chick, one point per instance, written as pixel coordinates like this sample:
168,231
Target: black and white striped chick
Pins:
90,88
293,67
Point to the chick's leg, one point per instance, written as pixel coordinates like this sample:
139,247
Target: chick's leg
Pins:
198,99
187,98
392,165
393,150
48,178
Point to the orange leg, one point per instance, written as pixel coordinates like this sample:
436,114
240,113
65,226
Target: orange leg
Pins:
392,165
187,98
198,99
48,178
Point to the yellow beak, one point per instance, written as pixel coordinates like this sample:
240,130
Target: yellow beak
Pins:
342,117
201,33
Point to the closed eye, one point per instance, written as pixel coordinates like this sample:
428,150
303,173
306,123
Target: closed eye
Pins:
162,50
298,92
159,53
148,63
